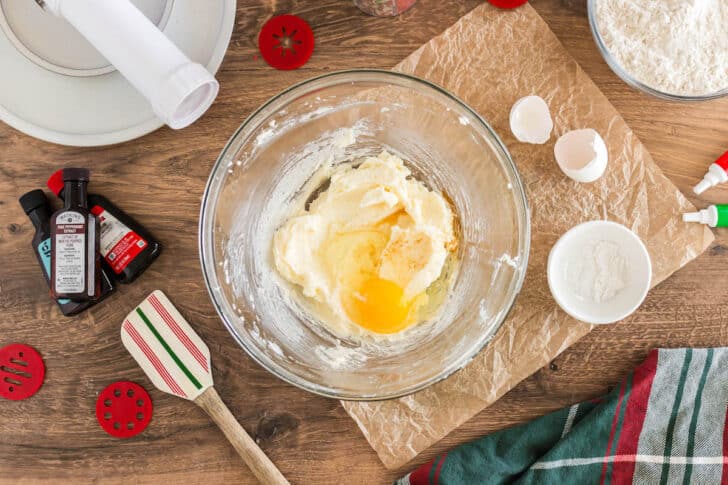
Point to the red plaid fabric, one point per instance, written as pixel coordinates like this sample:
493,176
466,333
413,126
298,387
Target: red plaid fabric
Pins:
666,423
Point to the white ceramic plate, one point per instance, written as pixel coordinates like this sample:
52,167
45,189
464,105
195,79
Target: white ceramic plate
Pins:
57,87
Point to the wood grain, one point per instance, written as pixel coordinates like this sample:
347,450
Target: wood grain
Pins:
260,465
159,179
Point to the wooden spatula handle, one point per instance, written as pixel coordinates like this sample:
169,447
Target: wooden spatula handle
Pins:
261,466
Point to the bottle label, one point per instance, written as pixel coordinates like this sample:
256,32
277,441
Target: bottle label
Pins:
119,244
70,252
44,249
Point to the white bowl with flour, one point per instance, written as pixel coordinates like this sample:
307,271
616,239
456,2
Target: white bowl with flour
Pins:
672,49
599,272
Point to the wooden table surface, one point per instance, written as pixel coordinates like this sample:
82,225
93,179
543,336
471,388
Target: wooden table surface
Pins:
159,179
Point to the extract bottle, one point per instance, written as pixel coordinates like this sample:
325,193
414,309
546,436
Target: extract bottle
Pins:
126,247
75,262
36,207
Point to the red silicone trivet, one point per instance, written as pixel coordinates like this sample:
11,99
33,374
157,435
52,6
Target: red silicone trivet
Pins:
21,371
507,3
124,409
286,42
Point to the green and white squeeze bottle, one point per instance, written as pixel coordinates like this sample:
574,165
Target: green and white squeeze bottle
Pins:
714,216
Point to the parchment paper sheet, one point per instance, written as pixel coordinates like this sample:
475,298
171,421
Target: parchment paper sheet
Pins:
491,58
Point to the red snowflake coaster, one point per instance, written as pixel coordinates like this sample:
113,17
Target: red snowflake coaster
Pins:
124,409
286,42
507,3
21,371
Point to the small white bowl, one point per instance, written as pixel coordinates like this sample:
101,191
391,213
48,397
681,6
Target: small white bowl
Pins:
573,248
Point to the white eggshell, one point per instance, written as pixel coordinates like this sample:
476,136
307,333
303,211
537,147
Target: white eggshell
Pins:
582,155
531,120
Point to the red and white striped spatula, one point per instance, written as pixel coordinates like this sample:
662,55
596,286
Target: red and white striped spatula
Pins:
177,362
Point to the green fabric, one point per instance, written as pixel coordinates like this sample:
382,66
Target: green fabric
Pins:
509,453
621,408
696,413
673,414
667,422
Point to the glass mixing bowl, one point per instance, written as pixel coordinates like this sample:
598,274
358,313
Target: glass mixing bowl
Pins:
629,78
262,171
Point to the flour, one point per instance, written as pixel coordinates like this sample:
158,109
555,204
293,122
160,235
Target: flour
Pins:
599,273
674,46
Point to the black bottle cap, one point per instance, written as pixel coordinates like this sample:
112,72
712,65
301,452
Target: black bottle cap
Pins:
74,174
32,200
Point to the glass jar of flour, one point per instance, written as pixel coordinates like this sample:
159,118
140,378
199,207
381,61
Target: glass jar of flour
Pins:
674,49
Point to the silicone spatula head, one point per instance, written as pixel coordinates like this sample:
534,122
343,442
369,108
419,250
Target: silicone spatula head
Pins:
171,354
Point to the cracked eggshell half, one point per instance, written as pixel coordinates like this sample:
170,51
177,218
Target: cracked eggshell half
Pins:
531,120
582,155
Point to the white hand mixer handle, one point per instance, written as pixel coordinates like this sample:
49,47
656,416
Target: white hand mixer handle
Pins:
179,90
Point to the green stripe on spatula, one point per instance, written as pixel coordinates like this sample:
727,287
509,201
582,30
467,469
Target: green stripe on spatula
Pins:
169,350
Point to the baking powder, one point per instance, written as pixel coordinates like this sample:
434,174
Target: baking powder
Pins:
599,273
675,46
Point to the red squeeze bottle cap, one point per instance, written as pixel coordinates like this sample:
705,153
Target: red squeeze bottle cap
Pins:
55,182
717,174
723,161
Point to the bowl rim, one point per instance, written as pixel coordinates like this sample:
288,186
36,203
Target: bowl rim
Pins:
584,226
631,80
206,232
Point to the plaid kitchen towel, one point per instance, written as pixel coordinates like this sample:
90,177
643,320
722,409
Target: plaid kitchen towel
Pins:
666,423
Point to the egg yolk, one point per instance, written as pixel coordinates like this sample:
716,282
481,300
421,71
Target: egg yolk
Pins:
379,306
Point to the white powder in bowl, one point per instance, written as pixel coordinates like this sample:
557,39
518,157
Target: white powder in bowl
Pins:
599,273
675,46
